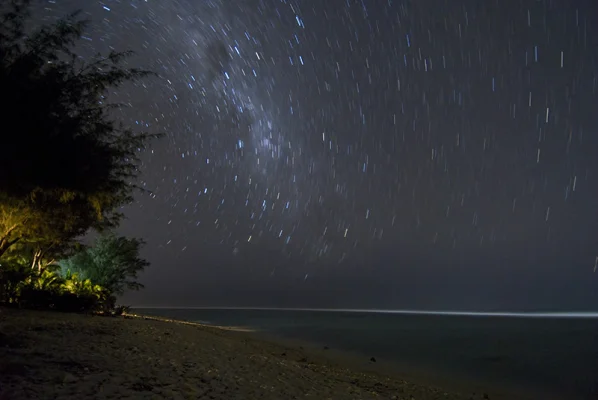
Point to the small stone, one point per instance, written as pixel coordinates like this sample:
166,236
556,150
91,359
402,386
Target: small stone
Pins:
373,359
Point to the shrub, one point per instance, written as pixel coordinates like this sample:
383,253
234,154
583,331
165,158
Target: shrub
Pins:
12,277
26,288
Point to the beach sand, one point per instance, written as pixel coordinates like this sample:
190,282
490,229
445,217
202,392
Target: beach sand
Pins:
45,355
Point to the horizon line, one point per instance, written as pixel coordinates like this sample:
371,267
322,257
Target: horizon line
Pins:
524,314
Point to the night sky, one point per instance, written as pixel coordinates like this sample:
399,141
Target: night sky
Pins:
375,153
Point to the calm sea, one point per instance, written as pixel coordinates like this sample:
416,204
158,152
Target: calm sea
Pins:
557,353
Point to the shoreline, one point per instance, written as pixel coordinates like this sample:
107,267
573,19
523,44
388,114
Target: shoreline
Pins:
184,322
55,355
420,374
501,314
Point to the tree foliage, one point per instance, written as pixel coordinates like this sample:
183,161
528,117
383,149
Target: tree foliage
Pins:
65,165
22,286
113,262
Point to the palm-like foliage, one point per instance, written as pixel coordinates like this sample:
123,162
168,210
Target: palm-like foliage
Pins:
46,280
82,287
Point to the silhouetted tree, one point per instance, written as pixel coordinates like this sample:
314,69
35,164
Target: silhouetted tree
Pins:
65,164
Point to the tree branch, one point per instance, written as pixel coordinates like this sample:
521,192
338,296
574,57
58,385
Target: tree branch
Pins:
9,231
5,244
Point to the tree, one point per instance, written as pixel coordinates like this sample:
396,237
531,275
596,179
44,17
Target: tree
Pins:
113,262
65,165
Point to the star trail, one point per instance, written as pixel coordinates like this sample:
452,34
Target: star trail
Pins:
313,133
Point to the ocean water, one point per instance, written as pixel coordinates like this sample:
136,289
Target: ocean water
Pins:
554,353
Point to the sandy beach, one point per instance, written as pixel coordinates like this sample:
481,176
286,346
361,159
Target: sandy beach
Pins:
47,355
